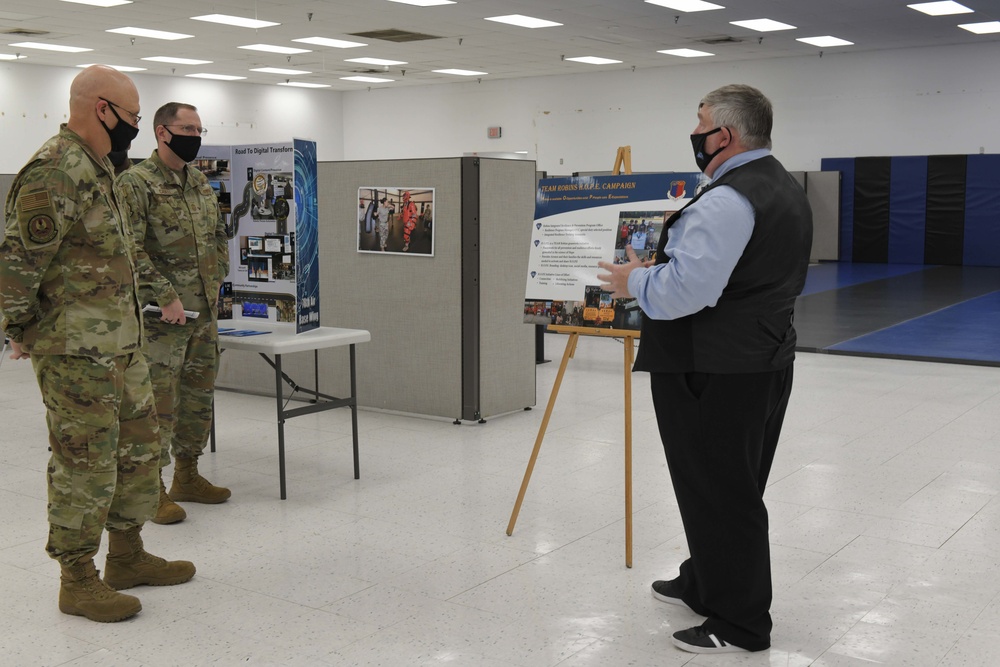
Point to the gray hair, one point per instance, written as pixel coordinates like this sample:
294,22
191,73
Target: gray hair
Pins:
743,108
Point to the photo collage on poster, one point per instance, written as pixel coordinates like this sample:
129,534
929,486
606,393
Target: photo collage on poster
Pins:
396,220
641,230
582,220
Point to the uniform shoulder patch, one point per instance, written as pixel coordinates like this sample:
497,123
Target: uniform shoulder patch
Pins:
41,229
33,201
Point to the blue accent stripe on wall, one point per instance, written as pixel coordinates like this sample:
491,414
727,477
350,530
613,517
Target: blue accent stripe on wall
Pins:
845,165
982,211
907,209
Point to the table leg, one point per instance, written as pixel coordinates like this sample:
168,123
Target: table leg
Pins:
354,413
316,375
281,423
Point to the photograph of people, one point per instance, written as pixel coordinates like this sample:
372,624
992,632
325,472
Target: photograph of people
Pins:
396,220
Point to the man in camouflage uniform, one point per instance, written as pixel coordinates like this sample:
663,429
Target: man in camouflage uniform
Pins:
183,257
68,300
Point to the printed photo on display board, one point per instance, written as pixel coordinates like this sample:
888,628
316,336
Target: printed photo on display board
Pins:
396,220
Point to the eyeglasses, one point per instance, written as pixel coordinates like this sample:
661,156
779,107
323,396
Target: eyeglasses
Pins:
191,129
135,117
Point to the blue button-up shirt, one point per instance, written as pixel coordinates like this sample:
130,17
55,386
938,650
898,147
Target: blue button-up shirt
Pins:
704,246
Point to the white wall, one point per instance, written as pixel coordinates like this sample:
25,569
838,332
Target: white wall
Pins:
35,99
939,100
905,102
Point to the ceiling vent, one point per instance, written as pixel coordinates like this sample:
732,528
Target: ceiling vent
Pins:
394,35
23,32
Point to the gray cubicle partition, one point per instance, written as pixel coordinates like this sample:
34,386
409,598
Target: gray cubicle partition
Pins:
823,191
6,180
447,337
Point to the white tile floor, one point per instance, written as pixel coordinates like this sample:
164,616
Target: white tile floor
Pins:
884,511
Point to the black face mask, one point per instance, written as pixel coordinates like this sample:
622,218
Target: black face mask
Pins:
698,143
121,134
183,146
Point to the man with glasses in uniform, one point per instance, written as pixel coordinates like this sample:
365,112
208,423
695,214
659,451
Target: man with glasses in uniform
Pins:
183,257
68,300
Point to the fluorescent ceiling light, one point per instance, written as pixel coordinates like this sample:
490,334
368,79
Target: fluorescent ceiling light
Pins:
945,8
425,3
278,70
686,5
825,41
120,68
594,60
11,56
304,84
101,3
375,61
237,21
366,79
217,77
460,72
326,41
985,28
686,53
270,48
763,25
152,34
51,47
523,21
177,61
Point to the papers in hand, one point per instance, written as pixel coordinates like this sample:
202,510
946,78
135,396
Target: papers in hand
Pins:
150,308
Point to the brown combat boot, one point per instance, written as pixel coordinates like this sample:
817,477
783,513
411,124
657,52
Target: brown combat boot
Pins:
82,593
168,511
130,565
189,486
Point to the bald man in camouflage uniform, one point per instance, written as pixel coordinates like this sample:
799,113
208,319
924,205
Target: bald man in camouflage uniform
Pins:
183,257
68,301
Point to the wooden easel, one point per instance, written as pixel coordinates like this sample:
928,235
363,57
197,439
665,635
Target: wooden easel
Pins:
574,337
623,158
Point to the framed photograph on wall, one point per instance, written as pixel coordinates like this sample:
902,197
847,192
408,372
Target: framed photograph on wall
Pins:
396,220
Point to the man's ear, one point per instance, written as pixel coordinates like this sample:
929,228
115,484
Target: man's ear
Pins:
730,141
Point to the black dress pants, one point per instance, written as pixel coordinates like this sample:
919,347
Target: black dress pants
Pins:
719,432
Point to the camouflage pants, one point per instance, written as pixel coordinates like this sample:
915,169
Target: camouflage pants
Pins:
183,362
383,233
103,471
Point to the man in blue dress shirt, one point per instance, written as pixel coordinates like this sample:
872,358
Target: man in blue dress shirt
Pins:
718,340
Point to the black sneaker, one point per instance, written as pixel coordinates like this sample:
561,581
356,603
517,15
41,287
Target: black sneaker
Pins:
699,640
666,591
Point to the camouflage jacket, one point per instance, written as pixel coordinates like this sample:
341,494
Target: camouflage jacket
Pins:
182,247
67,273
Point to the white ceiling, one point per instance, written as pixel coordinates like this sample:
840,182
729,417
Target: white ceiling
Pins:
628,30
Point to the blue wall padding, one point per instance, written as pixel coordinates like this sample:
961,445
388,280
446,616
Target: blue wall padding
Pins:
982,211
907,210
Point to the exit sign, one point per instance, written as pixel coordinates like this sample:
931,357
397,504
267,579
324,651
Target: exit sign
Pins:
493,132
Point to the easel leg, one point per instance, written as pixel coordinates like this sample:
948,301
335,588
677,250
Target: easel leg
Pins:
567,355
629,351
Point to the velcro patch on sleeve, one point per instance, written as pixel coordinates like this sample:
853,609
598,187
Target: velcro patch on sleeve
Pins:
41,229
33,201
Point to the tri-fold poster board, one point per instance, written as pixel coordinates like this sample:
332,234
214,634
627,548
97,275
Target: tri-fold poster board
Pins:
268,195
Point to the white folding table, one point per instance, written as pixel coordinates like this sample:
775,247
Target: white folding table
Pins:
281,339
